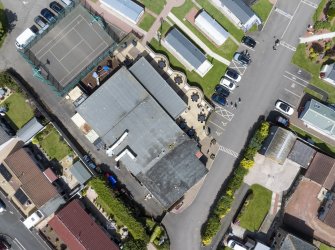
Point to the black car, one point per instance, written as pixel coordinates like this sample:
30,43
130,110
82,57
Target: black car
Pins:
282,120
242,58
247,40
4,124
221,90
56,7
219,99
40,21
48,15
34,29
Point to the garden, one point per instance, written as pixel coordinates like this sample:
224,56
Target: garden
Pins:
224,202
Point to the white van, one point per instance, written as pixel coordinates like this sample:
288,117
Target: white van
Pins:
33,219
25,38
233,244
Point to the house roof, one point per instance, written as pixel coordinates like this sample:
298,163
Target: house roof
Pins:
331,74
211,28
33,181
330,217
320,116
50,175
126,8
302,154
292,242
29,130
322,171
185,48
242,11
279,144
78,230
122,105
79,171
158,87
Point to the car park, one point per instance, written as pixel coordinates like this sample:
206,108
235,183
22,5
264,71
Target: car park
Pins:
226,82
40,21
233,75
56,7
221,90
218,99
282,120
284,108
242,58
250,42
2,206
48,15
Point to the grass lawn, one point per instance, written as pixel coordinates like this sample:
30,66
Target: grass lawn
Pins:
54,146
207,83
262,8
325,247
155,6
228,49
313,93
3,24
147,21
255,210
300,59
317,142
19,112
319,10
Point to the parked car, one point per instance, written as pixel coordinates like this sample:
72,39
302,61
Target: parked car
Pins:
2,206
4,245
67,2
284,107
40,21
282,120
221,90
48,15
226,82
218,99
56,7
242,58
34,29
233,75
236,245
247,40
5,125
89,162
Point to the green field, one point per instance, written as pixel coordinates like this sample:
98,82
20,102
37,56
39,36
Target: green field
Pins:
147,21
262,8
255,208
325,247
155,6
19,111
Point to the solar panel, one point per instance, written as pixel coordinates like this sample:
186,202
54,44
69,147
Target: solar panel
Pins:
5,173
22,197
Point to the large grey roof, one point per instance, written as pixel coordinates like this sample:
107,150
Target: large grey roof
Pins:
320,116
79,171
29,130
185,48
177,172
158,87
332,72
127,8
302,154
239,9
292,242
279,144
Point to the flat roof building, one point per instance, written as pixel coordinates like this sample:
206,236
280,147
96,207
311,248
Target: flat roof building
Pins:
211,28
189,54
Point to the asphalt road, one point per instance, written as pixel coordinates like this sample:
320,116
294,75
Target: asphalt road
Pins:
262,83
17,234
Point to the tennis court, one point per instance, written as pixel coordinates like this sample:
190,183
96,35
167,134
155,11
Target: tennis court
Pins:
71,45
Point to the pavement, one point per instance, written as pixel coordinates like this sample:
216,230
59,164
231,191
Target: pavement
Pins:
15,232
262,84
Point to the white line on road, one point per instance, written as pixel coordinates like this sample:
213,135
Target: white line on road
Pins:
293,93
285,44
297,77
228,151
216,125
313,5
248,47
285,14
19,244
290,20
295,81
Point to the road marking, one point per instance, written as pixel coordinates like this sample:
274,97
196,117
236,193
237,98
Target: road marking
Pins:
290,20
285,14
224,113
295,81
248,47
218,133
285,44
238,67
228,151
299,72
293,93
19,244
313,5
217,125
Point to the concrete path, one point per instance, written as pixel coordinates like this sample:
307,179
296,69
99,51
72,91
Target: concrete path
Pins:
197,40
153,30
316,37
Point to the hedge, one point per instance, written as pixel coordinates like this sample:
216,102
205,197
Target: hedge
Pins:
223,205
115,207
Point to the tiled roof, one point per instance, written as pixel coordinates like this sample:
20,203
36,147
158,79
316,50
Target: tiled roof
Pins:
78,230
33,181
330,217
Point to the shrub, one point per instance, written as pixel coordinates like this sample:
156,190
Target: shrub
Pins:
331,12
317,47
211,228
156,234
223,206
135,245
319,25
330,52
247,164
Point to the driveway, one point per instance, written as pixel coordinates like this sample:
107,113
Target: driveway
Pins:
261,85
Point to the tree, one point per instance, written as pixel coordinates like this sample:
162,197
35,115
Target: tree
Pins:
317,47
135,245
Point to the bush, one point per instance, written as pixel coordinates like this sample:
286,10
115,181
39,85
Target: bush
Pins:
247,164
211,228
319,25
156,234
134,245
317,48
330,52
331,12
7,81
